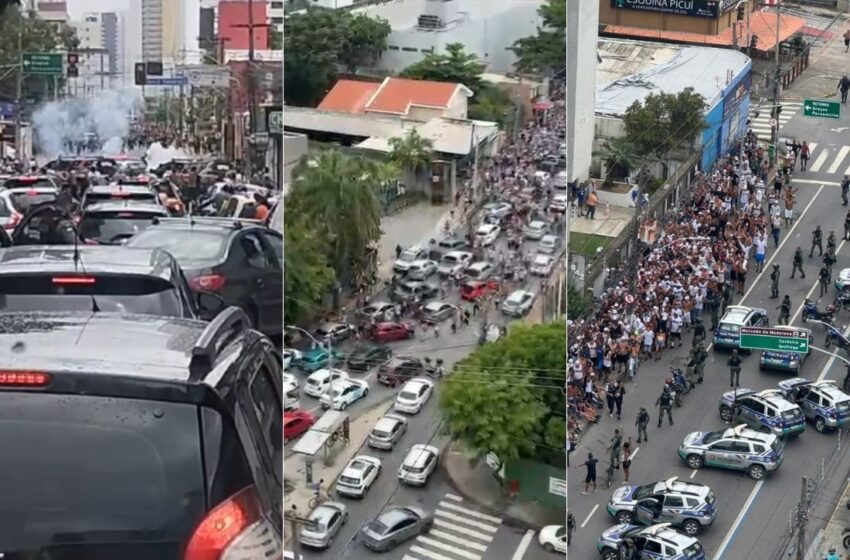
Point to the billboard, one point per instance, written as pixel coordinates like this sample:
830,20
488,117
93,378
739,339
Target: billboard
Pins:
694,8
233,21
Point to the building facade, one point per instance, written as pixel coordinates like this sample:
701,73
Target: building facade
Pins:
234,18
582,21
151,30
52,11
709,17
275,15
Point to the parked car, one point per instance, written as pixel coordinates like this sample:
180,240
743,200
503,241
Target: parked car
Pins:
343,393
414,395
366,355
335,332
399,369
518,303
480,270
295,423
408,257
420,461
473,290
325,522
358,475
320,381
454,263
391,331
437,311
412,290
376,309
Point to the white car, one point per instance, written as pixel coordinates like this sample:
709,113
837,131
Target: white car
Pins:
535,230
408,257
843,279
486,234
414,395
481,270
420,462
376,309
497,210
549,244
289,379
290,355
358,475
344,393
553,538
319,381
518,303
454,263
559,203
542,265
421,270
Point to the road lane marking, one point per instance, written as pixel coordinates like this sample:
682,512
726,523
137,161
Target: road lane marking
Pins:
471,513
812,289
453,497
822,157
693,474
446,547
589,515
842,153
817,182
471,523
523,545
457,540
730,536
464,530
634,454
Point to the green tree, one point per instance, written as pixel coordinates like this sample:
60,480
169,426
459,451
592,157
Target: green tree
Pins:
307,276
275,39
620,159
505,397
36,35
544,52
493,104
455,66
320,41
664,121
411,152
580,304
340,195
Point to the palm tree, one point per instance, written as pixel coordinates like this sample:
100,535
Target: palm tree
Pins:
340,195
412,153
620,159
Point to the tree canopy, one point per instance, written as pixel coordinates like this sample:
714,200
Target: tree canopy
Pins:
508,396
320,41
544,52
308,276
411,152
664,121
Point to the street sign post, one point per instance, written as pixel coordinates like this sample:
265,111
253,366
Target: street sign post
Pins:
778,340
167,81
822,109
42,64
276,121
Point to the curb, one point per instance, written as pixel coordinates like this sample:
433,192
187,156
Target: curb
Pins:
510,520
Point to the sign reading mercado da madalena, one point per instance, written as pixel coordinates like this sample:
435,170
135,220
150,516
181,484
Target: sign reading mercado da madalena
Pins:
696,8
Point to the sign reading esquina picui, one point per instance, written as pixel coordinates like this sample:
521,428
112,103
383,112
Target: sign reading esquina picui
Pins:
697,8
778,340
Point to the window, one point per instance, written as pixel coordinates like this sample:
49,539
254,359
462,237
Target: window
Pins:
253,247
392,48
814,398
4,210
722,446
265,403
741,447
409,49
652,546
674,501
753,405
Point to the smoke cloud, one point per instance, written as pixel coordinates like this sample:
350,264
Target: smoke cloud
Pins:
158,154
59,123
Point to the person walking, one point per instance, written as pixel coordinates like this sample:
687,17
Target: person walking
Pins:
665,404
627,459
845,186
609,397
829,259
804,155
571,527
843,87
774,282
590,477
592,201
642,422
775,229
798,263
700,357
734,364
831,242
761,248
615,448
847,225
823,280
619,391
847,40
817,238
784,311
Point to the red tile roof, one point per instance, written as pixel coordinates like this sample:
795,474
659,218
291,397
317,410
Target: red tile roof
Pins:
348,96
396,95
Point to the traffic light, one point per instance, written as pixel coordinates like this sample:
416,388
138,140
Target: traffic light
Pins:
778,110
741,8
141,75
73,59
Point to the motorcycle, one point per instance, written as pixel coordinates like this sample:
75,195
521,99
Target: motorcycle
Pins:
811,311
675,394
434,370
834,336
682,385
842,301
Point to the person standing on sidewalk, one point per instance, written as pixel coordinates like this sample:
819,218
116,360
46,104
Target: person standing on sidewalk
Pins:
642,422
798,263
592,201
734,364
590,478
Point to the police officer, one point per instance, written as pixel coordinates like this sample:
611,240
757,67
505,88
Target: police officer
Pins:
665,404
699,333
734,369
798,263
641,422
831,241
847,225
823,279
828,260
711,303
615,448
845,186
784,310
817,236
774,282
701,357
727,296
689,369
627,550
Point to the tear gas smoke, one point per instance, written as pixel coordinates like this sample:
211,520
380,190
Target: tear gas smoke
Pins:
60,126
158,154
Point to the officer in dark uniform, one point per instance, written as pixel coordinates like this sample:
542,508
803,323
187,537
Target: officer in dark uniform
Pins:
784,310
734,369
798,263
774,282
817,237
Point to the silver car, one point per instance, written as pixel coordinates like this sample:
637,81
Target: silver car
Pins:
325,522
518,303
549,244
394,526
422,269
688,505
738,448
387,432
535,230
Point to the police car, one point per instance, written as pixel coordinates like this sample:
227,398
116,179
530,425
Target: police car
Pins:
738,448
822,402
843,279
728,331
658,542
767,411
688,505
786,361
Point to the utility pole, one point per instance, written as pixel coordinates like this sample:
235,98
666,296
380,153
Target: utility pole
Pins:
774,130
252,97
802,515
643,173
20,84
749,36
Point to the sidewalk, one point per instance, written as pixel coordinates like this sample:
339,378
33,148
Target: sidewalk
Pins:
414,225
476,483
829,59
831,535
297,492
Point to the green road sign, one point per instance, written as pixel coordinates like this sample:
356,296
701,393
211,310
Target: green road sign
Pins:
276,121
780,340
823,109
43,64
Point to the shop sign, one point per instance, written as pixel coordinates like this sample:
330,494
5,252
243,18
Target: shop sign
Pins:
693,8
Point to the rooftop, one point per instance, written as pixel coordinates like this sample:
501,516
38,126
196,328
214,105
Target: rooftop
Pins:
404,14
393,95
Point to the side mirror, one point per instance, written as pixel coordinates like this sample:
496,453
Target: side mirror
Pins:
209,305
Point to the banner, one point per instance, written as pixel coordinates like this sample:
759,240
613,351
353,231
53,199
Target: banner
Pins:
695,8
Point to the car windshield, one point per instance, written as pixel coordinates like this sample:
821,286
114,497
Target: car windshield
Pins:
693,550
147,295
776,445
711,437
448,243
642,492
186,245
109,227
349,481
408,396
377,432
414,469
407,256
450,260
23,201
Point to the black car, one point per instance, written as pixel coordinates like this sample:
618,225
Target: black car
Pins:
139,437
105,193
414,289
99,278
113,222
49,223
367,355
241,261
399,369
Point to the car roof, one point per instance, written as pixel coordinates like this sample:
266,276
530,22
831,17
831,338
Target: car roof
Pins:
392,516
416,456
387,422
143,346
457,254
517,295
743,432
208,224
125,205
94,259
416,383
118,187
479,265
736,314
681,487
324,511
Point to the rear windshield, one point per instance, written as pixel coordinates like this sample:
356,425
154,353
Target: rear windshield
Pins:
729,327
68,479
185,245
92,197
776,445
111,227
18,183
23,201
349,481
117,293
843,406
790,414
693,550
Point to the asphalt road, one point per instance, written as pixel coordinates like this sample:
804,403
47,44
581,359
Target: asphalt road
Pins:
423,428
752,517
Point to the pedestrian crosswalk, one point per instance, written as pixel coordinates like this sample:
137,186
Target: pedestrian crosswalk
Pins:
761,124
830,159
459,533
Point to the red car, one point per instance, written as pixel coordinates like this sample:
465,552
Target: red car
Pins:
475,289
391,331
295,423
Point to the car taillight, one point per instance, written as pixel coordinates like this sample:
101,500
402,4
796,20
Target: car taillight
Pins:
209,283
24,379
234,529
74,280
